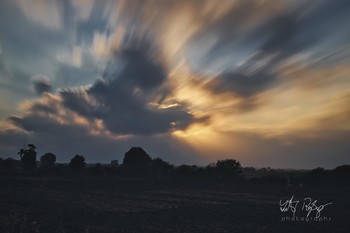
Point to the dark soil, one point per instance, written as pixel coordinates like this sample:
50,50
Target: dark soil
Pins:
148,205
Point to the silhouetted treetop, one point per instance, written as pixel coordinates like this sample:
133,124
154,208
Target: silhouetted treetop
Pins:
228,167
343,170
136,157
78,162
159,166
48,160
28,157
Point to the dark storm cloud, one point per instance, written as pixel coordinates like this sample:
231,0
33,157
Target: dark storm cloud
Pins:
274,39
42,85
249,79
36,123
282,29
38,107
256,74
140,71
243,85
122,98
76,101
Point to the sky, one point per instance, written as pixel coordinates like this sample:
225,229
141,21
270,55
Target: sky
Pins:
191,81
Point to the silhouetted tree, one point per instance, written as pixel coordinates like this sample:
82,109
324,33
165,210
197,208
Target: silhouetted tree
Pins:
28,157
343,170
159,166
228,168
77,163
136,160
341,174
48,160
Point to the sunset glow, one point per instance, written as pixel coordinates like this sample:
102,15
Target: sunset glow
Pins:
264,82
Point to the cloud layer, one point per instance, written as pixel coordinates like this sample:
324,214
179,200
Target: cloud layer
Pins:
202,78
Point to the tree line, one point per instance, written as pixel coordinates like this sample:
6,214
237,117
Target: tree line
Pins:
138,163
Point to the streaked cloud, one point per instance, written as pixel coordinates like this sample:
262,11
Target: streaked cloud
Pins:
83,8
46,13
264,81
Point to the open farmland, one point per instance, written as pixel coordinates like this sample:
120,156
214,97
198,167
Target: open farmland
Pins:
150,205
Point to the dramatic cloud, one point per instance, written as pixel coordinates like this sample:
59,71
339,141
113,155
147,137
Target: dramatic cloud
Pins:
266,82
243,85
126,101
122,100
